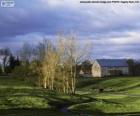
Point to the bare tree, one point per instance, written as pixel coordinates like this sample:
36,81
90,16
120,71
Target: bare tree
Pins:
76,53
50,65
26,52
5,54
40,50
59,66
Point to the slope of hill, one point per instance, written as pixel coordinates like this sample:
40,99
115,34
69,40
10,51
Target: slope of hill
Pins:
121,96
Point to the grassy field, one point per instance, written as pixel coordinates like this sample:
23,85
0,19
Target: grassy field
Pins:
121,96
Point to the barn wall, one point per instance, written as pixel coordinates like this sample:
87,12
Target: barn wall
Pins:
96,70
105,70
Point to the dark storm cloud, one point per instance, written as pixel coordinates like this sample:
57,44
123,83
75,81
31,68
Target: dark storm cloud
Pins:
24,19
112,25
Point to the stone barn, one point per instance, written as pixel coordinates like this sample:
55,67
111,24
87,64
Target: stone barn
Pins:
109,67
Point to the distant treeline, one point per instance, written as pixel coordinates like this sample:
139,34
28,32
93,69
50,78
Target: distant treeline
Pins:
8,61
134,67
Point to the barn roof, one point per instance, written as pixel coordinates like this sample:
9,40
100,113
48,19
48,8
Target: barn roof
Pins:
113,62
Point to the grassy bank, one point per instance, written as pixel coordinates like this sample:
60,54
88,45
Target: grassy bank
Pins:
121,95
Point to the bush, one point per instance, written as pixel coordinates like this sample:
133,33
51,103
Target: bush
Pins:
28,72
0,70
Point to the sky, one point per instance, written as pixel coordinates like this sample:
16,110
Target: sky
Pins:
113,29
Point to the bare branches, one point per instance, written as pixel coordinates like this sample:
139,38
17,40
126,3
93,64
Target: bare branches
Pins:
60,63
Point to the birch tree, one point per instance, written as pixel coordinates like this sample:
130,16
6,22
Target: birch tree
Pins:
59,66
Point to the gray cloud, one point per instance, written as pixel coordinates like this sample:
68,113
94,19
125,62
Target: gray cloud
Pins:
113,29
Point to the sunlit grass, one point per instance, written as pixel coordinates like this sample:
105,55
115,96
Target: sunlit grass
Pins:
120,95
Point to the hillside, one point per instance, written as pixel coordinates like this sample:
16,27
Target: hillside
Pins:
121,95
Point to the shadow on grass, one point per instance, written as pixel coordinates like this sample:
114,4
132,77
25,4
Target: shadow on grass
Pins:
83,82
32,112
124,89
48,112
98,112
123,114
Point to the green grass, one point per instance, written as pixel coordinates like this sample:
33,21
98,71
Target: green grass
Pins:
114,84
23,102
121,96
18,94
106,107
